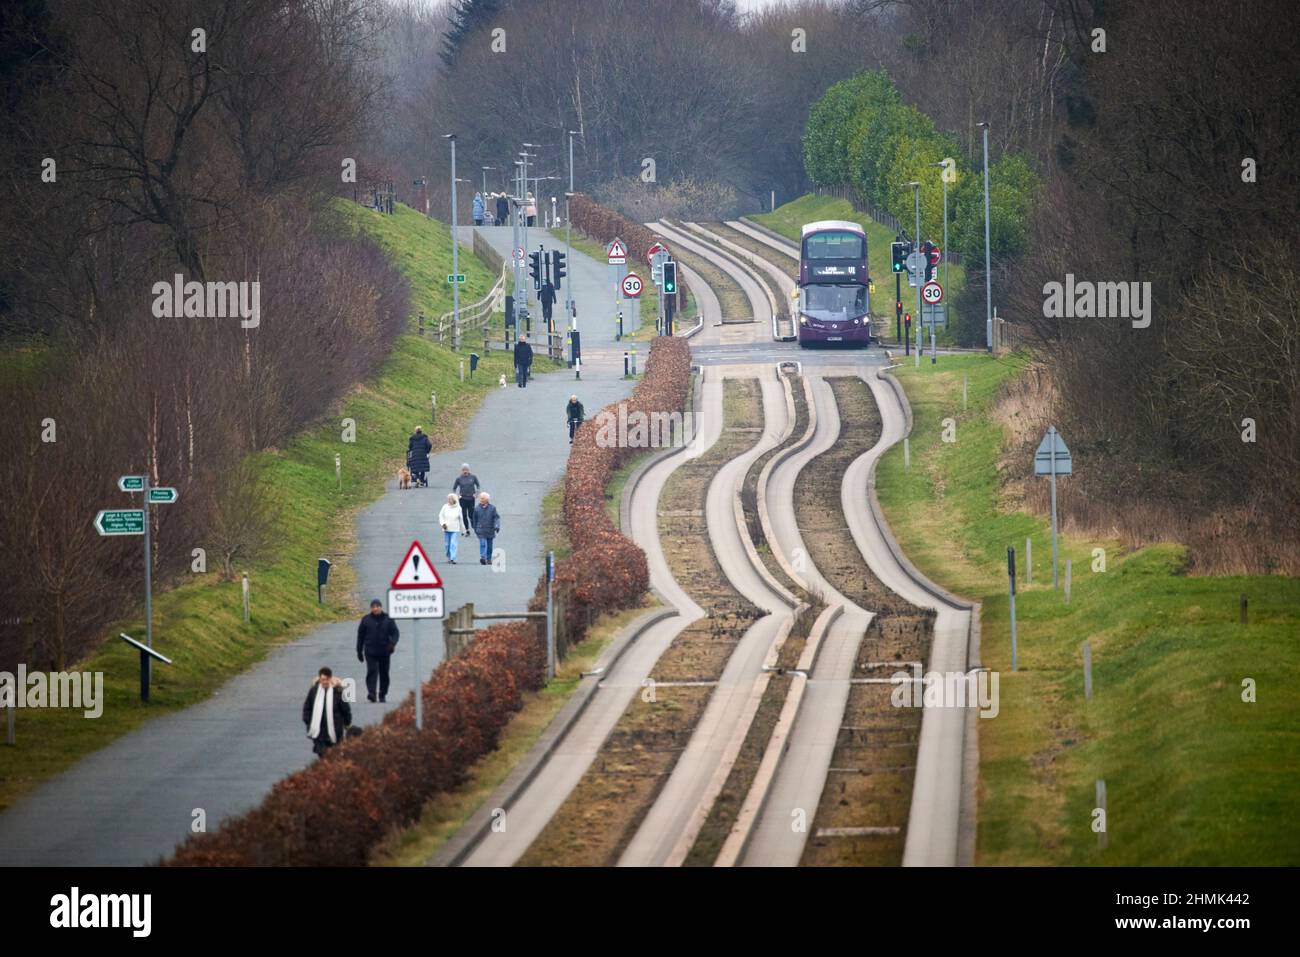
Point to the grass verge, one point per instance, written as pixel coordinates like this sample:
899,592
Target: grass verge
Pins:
1195,771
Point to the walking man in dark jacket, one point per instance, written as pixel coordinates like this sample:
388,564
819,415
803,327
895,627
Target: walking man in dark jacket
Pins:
325,713
503,210
376,639
523,362
487,525
466,486
417,456
547,298
575,415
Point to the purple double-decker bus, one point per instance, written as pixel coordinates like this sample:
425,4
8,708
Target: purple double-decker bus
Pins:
834,305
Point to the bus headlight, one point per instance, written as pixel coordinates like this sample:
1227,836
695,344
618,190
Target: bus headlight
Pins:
803,320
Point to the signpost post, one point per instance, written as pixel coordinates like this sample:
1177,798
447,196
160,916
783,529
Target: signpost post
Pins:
1053,458
135,521
550,615
414,593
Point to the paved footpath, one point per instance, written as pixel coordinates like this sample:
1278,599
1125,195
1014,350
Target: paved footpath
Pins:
133,801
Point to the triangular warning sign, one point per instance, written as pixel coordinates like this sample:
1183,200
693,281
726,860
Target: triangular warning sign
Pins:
617,249
416,571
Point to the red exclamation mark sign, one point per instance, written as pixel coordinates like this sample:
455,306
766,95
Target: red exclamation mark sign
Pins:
415,562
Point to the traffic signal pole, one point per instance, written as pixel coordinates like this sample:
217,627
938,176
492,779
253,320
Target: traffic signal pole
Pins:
898,306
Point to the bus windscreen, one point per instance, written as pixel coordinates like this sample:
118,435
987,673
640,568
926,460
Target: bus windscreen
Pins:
832,303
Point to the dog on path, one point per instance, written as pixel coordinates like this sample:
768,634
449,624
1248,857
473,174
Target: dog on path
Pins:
403,477
503,380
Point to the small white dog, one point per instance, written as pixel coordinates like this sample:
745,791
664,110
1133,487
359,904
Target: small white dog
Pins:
503,380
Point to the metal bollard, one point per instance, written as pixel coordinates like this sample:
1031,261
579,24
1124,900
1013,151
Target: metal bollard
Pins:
625,365
634,360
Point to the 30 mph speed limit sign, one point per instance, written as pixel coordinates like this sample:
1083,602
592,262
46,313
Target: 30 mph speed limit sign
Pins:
932,292
632,285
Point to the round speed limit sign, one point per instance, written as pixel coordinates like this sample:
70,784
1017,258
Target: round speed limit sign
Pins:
932,292
631,285
519,254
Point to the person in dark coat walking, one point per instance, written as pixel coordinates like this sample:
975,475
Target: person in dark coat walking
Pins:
325,713
574,413
466,486
487,525
417,456
503,209
377,636
546,296
523,362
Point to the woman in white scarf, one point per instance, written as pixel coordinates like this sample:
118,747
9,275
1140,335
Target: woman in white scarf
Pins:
452,520
325,713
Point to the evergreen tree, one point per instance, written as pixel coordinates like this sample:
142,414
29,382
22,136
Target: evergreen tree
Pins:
467,17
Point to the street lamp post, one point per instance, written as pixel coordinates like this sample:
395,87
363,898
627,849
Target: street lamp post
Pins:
916,196
944,177
523,196
568,289
485,172
988,272
455,259
568,231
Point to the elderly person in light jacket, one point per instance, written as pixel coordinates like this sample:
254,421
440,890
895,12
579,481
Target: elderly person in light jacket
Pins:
452,520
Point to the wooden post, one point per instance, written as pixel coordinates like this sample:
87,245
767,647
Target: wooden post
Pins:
561,633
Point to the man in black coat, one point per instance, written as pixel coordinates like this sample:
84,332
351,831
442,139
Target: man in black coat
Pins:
523,362
503,210
547,298
417,456
575,414
326,727
376,639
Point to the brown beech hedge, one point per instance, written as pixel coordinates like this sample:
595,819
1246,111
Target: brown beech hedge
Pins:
334,812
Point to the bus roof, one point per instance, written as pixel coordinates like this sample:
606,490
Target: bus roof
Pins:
829,224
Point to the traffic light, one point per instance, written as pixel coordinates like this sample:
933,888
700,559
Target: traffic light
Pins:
899,253
558,267
927,251
670,278
535,269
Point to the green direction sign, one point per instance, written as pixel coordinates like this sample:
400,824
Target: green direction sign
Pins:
162,495
459,278
131,483
120,521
